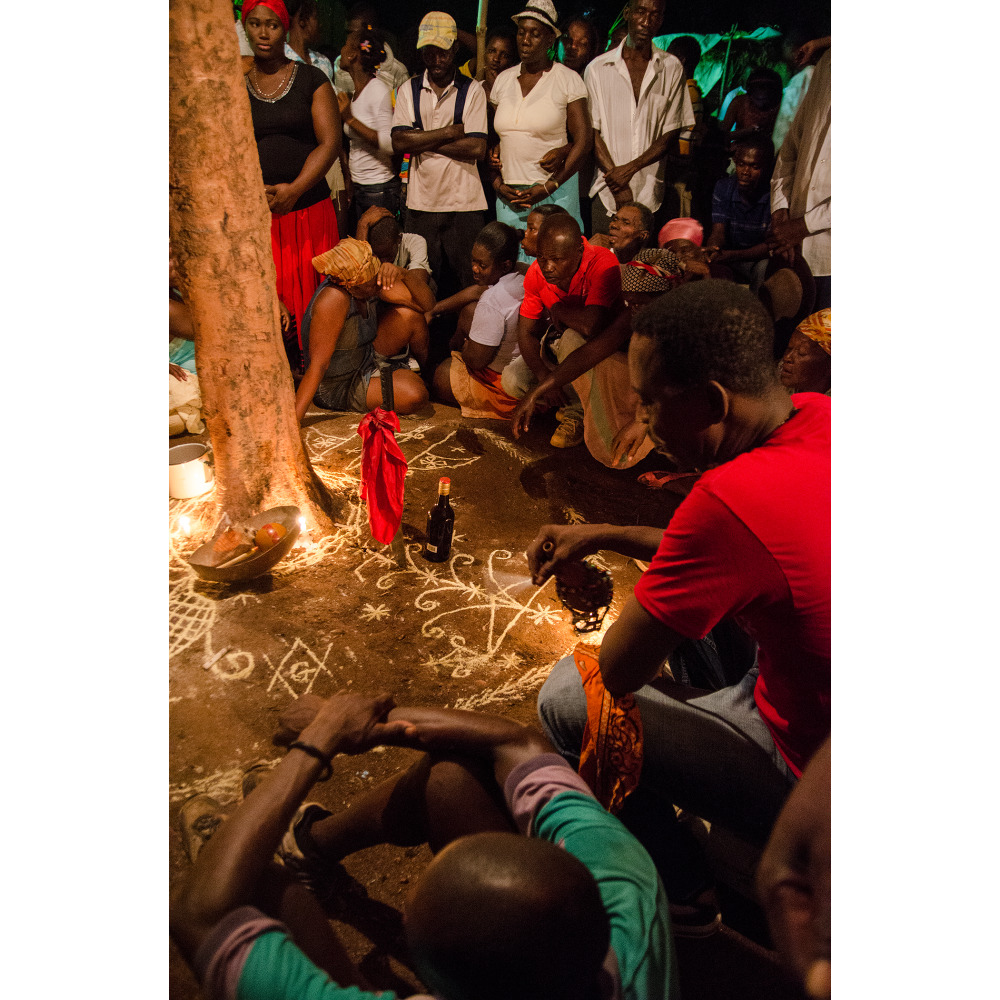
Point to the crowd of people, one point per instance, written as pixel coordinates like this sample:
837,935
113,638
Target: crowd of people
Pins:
525,243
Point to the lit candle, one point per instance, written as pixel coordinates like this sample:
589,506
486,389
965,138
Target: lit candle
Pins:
185,523
303,540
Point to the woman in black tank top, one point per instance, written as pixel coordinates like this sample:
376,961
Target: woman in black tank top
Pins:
296,123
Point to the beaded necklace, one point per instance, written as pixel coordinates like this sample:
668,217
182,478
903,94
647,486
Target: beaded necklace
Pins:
277,94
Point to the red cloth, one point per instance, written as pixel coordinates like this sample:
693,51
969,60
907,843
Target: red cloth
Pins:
597,282
383,469
752,542
296,238
276,5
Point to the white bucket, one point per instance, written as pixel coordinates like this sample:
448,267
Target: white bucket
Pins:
191,473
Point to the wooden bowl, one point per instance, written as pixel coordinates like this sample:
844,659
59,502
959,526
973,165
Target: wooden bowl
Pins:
256,565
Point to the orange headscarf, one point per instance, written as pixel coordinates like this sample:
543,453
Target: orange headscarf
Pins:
817,328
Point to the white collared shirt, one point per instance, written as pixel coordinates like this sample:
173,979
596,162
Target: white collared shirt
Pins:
629,128
801,178
439,183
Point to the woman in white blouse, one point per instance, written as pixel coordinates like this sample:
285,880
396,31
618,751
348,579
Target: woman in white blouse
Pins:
368,123
537,103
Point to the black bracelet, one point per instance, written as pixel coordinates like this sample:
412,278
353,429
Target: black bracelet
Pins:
318,754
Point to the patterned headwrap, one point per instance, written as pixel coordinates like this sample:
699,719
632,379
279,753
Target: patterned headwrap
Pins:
276,5
652,271
350,263
681,229
817,328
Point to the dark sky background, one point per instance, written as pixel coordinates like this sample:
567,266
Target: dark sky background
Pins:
401,18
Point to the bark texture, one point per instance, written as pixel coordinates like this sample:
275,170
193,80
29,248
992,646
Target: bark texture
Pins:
220,238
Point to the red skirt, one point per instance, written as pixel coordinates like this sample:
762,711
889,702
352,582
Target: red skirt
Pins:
296,238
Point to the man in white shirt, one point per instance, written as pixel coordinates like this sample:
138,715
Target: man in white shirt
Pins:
800,185
440,120
638,102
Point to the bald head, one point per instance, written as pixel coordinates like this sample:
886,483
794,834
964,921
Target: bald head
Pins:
560,249
497,915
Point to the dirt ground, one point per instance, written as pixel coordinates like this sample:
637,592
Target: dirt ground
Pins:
345,611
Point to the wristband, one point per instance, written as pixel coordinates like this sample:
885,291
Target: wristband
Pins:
554,181
318,754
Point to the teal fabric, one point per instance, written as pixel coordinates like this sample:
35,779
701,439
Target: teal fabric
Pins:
182,353
630,889
276,969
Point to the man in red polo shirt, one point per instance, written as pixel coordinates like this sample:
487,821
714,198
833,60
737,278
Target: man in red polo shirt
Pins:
572,291
747,554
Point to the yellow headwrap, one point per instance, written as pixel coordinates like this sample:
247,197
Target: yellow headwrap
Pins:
350,263
817,328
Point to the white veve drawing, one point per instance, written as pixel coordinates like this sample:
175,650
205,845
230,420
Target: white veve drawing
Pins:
442,580
298,669
223,785
369,613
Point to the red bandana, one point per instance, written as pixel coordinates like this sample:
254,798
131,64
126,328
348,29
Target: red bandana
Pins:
276,5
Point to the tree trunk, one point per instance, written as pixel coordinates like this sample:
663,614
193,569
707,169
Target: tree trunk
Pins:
220,238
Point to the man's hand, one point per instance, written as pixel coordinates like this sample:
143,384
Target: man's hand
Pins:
281,198
493,159
787,233
344,100
558,543
619,177
286,316
353,723
295,718
388,275
628,441
809,52
370,217
793,880
520,419
178,372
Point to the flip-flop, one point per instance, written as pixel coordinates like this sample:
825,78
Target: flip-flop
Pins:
659,480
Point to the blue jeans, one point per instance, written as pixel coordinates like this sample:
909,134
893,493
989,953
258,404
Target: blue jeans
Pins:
385,195
708,752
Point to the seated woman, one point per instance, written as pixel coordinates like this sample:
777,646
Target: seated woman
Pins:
806,364
345,344
486,339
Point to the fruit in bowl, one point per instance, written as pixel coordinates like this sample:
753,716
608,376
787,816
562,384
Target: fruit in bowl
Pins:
269,535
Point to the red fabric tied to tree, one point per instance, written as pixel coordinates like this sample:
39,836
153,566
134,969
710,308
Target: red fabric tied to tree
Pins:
383,469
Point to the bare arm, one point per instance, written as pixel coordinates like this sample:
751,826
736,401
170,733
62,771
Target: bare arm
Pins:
613,338
180,320
621,176
478,356
559,543
459,300
328,317
529,337
328,128
634,648
581,139
450,140
588,321
229,868
412,292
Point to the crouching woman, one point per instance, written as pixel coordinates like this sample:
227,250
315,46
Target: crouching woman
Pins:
343,344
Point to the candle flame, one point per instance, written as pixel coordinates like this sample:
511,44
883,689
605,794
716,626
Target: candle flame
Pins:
185,525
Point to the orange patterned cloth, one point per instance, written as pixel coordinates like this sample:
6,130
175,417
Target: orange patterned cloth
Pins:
817,328
611,755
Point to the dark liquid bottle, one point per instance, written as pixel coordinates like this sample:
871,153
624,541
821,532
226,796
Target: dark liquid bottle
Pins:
440,525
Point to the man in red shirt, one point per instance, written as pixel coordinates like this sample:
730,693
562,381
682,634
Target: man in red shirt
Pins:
746,554
573,290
